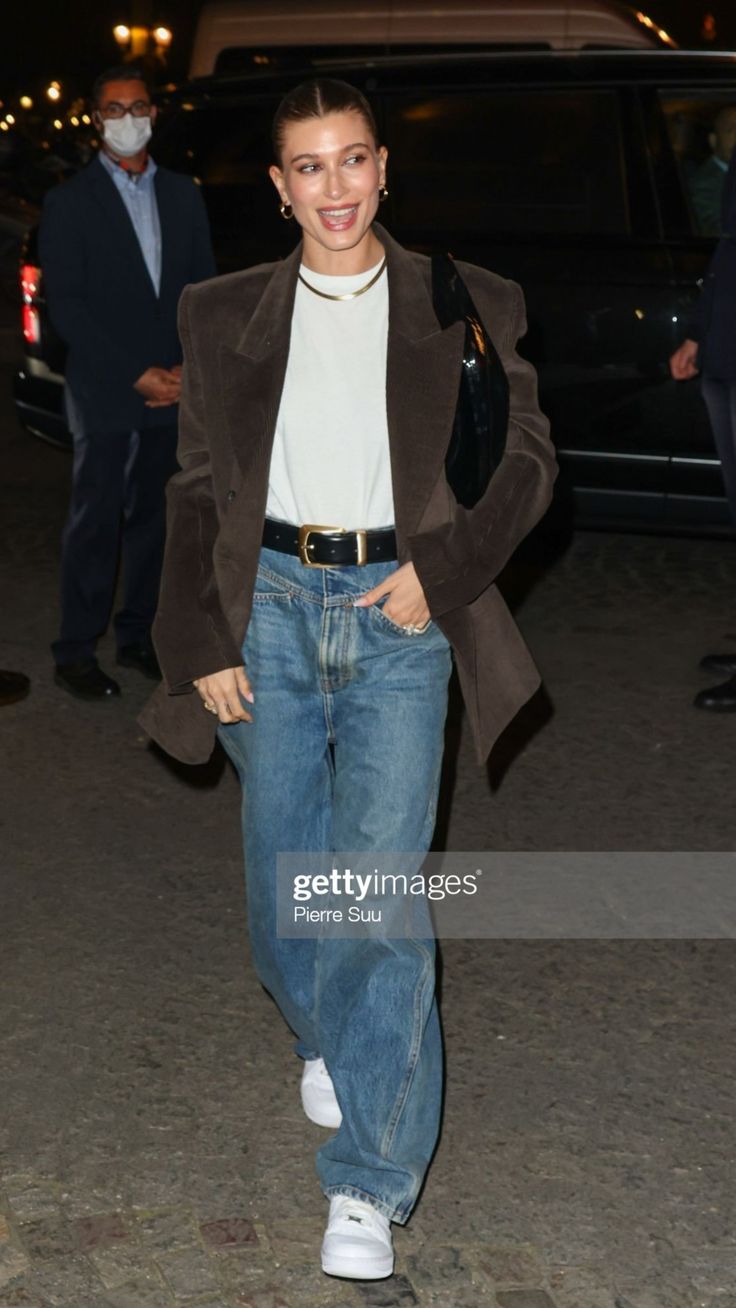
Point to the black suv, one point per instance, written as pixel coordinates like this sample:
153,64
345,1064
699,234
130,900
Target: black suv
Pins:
575,174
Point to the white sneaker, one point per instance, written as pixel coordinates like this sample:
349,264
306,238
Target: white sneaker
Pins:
319,1100
357,1241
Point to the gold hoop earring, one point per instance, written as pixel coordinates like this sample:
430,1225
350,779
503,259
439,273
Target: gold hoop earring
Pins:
382,193
283,209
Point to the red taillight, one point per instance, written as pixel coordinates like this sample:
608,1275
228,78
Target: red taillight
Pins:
30,281
31,324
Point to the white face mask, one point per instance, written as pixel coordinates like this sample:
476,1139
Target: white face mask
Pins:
126,136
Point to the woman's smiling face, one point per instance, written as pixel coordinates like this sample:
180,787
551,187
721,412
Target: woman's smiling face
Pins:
331,170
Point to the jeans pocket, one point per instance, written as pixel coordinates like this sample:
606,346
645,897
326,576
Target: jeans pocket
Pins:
269,586
409,633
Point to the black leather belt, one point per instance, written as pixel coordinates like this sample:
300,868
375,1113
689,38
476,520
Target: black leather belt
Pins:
330,547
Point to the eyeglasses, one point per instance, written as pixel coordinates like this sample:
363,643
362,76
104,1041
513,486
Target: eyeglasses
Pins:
139,109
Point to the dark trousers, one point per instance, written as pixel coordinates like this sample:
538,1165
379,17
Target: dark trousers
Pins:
720,399
117,514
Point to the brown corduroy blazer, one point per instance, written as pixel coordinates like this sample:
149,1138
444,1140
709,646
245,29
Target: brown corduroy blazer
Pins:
235,332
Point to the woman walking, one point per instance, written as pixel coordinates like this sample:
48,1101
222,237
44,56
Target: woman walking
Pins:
319,574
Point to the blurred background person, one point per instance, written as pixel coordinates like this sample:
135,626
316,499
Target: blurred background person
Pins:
711,351
708,179
118,243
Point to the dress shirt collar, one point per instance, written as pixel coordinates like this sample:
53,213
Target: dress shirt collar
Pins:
122,177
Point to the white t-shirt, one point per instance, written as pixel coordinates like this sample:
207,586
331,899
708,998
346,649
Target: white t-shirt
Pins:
330,462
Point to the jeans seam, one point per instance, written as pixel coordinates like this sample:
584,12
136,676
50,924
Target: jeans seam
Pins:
327,710
291,589
268,575
403,1094
324,681
347,617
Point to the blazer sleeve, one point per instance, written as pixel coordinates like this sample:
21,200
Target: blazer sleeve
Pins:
189,605
61,245
459,559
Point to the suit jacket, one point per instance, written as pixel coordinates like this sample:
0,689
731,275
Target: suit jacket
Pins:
714,324
706,191
235,332
101,299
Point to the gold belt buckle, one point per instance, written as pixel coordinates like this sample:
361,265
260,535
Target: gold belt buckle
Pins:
308,529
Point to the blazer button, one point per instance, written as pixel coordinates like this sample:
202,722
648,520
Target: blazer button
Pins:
230,496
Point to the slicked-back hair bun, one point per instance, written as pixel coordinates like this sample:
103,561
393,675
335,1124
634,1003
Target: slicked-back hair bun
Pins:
316,99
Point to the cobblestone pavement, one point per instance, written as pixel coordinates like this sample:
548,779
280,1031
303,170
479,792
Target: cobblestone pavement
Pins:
152,1148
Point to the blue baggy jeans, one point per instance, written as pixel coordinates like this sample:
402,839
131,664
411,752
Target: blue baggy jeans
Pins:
344,754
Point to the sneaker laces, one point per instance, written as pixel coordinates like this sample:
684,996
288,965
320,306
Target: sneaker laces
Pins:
353,1210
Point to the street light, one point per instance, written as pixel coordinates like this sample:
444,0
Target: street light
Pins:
136,40
10,118
25,102
54,91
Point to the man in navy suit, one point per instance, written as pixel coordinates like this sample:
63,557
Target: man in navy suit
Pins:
711,350
118,244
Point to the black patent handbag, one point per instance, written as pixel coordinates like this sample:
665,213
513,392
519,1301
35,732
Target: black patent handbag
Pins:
478,437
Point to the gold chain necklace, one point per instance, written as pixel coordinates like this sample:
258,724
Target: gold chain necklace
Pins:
351,295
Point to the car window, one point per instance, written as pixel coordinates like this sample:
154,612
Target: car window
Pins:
227,148
508,162
702,134
220,145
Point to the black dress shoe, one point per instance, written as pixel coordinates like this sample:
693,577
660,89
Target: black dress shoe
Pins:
724,663
719,699
141,657
13,686
86,680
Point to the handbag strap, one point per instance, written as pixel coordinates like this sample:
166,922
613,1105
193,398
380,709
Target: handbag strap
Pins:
450,296
453,303
482,412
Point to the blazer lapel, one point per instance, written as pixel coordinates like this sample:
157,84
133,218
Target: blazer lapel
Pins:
253,368
422,381
117,220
